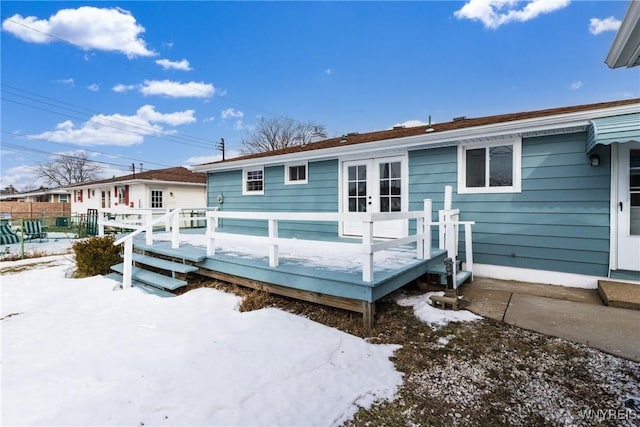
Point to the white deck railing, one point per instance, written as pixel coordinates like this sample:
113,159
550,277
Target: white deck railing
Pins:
448,224
127,240
366,249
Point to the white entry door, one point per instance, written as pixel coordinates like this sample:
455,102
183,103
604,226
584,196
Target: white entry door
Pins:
628,207
375,185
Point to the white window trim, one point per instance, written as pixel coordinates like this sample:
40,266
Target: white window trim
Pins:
162,191
246,192
517,166
287,181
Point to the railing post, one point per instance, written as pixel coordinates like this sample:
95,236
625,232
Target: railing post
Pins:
128,263
167,222
211,230
100,222
367,256
425,243
441,230
448,196
175,229
273,246
149,228
468,249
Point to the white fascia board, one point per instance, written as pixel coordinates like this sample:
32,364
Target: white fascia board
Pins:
135,181
430,140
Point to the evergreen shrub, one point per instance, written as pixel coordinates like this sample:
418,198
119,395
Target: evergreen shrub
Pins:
96,255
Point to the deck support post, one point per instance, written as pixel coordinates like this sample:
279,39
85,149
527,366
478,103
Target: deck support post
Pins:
368,314
127,263
367,252
273,246
175,229
149,228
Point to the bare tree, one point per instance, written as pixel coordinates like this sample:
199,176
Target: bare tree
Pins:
279,132
68,169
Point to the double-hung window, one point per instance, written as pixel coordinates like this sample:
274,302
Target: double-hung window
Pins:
156,199
253,181
491,167
295,173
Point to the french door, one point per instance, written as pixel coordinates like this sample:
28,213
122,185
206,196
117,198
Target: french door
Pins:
375,185
628,207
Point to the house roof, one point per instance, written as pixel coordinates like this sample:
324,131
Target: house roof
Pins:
38,192
403,132
176,175
625,50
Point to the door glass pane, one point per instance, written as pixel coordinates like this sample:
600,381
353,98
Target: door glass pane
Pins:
396,204
384,170
634,190
384,187
395,187
384,204
395,170
357,187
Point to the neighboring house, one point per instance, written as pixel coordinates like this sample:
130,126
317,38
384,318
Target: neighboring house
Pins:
555,193
160,188
625,50
42,195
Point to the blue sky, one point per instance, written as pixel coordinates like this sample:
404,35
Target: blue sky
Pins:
160,83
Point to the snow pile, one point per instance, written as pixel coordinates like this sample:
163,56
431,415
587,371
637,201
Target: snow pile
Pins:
77,353
431,315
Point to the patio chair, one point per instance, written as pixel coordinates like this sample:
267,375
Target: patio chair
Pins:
34,230
7,235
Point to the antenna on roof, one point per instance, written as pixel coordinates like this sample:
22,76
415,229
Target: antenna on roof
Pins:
133,169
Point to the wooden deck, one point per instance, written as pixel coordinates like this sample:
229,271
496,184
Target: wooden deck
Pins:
297,278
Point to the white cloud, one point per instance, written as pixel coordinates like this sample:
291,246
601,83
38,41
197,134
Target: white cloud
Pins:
21,177
176,89
118,129
94,87
576,85
494,13
112,29
175,65
123,88
232,113
597,26
209,119
411,123
68,82
328,71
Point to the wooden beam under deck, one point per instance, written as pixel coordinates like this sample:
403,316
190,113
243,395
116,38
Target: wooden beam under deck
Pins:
366,308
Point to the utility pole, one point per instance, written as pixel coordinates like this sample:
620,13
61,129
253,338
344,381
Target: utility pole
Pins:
133,169
220,146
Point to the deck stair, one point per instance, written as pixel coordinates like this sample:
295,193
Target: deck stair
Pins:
158,269
439,270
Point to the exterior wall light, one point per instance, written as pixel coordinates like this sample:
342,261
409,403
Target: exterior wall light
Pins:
595,160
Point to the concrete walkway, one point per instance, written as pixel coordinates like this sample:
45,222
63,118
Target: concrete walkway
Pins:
571,313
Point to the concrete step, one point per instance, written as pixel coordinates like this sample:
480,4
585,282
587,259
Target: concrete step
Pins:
163,264
147,288
150,278
620,294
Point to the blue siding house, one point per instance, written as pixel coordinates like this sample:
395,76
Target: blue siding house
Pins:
554,194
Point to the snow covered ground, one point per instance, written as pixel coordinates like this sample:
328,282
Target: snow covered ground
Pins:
58,243
76,352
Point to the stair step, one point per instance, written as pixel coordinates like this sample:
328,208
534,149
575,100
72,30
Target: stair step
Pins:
619,294
184,252
146,288
163,264
461,275
150,278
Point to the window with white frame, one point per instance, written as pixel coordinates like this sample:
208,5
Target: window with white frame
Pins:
491,167
295,173
253,181
156,199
